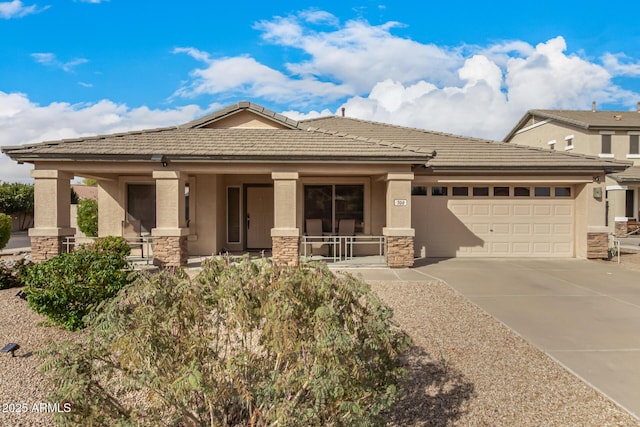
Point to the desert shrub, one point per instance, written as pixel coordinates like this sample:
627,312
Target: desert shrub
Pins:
5,230
67,287
241,344
88,217
11,272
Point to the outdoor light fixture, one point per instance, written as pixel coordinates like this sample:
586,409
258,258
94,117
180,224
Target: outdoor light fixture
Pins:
10,348
160,158
596,179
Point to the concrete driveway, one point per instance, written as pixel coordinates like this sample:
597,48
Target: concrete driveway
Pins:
584,314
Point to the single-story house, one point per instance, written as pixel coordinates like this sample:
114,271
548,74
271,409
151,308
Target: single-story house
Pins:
247,178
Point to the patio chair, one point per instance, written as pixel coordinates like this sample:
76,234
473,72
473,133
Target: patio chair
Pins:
316,243
131,231
346,228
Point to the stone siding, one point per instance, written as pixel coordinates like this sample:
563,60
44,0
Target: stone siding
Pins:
170,251
46,247
399,251
620,229
286,250
597,245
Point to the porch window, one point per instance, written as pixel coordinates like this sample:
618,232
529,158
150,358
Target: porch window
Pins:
331,203
233,215
141,205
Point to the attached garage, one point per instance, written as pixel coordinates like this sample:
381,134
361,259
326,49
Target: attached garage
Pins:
500,221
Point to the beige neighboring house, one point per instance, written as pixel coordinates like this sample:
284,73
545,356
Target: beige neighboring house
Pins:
600,134
246,178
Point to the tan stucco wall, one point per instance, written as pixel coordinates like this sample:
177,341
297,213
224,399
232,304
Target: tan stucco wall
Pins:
246,120
110,207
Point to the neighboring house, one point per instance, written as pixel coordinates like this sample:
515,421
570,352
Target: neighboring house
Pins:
602,134
253,178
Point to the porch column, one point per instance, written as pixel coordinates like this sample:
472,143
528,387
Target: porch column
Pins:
170,235
285,236
398,232
51,222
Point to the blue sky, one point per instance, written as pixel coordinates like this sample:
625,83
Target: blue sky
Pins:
71,67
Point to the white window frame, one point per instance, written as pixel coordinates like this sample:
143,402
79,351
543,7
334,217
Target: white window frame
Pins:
607,155
569,140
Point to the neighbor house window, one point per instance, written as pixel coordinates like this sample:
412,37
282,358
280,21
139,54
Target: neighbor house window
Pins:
141,205
562,191
233,215
521,191
331,203
606,144
480,191
569,142
438,191
542,192
418,190
552,144
633,144
460,191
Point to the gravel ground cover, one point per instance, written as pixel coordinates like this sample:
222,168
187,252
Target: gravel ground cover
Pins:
466,369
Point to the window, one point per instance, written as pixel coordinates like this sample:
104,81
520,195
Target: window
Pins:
331,203
460,191
606,144
418,190
542,192
141,205
552,144
438,191
562,191
633,144
522,191
501,191
628,206
233,215
569,142
480,191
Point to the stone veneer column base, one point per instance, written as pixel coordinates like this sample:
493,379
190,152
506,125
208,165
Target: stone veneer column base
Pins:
598,245
620,229
399,251
286,250
46,247
170,251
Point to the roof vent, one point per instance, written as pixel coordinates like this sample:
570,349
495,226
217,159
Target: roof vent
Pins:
593,106
638,107
342,110
618,117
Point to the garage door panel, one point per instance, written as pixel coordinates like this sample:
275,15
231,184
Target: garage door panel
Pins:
484,227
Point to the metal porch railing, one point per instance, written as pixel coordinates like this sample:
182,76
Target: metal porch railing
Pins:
342,247
141,246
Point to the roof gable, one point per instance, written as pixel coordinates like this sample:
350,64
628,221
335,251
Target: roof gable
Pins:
582,119
244,114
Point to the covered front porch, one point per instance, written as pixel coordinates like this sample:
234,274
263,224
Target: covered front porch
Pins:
317,212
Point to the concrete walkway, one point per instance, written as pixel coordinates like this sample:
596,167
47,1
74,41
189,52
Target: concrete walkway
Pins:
584,314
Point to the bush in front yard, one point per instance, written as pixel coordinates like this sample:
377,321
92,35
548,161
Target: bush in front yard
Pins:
88,217
5,230
69,286
241,344
10,273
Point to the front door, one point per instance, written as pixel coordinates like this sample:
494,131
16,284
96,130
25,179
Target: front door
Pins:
259,217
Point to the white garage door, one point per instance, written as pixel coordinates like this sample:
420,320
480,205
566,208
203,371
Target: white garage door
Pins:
449,226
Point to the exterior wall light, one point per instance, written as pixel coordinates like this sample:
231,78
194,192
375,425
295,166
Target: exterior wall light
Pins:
160,158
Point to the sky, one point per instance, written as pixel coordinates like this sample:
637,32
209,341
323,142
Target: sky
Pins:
71,68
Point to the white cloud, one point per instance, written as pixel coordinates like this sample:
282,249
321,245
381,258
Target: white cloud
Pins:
23,121
50,60
472,90
15,9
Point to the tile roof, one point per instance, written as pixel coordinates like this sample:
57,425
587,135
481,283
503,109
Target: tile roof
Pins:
630,175
585,119
240,106
460,152
220,144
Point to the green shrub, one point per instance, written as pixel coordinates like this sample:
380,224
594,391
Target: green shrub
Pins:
88,217
5,230
242,344
112,244
69,286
